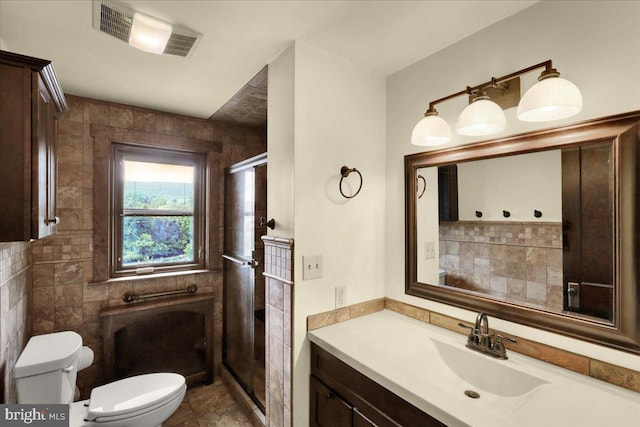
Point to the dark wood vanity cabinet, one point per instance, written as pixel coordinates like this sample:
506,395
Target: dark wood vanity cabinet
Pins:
342,396
327,408
30,100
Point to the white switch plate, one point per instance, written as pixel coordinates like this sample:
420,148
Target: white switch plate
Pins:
430,250
312,267
341,296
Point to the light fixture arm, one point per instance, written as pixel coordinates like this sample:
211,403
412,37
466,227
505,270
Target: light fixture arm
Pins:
494,82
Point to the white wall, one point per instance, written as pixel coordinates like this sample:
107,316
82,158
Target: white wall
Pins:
518,184
427,217
280,143
593,44
338,119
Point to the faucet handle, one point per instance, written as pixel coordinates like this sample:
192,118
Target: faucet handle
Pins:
473,333
499,338
499,347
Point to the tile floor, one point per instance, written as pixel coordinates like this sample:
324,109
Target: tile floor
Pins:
208,406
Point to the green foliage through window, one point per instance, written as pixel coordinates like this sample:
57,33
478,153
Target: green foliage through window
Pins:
157,226
151,240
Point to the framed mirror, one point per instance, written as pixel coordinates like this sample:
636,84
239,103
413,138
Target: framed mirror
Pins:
540,228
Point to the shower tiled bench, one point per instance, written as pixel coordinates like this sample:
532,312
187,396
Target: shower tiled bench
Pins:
178,347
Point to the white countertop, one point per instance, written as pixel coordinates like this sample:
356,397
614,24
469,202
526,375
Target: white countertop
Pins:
398,352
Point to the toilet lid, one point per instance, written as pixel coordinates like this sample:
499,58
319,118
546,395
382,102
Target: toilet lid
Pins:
133,394
47,353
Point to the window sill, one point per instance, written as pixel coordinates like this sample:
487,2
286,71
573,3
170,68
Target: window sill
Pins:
150,276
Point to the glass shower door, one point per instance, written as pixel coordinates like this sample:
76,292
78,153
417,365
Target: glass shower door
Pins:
243,257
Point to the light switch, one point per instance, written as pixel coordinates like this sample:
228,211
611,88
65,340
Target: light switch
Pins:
312,267
430,250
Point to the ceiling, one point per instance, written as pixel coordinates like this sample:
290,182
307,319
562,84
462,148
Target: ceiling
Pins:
240,38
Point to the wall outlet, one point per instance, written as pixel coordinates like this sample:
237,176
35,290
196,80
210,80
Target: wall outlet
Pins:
341,296
312,267
430,250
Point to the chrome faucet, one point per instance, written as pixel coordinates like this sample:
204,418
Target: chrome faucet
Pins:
482,340
482,329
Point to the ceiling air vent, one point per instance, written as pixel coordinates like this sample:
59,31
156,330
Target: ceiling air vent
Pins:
117,20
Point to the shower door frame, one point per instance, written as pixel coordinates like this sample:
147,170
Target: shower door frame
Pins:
242,262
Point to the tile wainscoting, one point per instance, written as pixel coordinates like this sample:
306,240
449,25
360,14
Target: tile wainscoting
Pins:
613,374
15,305
278,271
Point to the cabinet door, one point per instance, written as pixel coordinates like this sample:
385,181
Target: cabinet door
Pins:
43,179
327,408
360,420
15,153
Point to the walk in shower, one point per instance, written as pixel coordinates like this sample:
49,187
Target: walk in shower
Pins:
245,202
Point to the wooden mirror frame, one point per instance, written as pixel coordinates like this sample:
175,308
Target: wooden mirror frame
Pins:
624,131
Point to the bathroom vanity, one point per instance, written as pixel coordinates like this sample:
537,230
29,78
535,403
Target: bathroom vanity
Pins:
388,369
342,396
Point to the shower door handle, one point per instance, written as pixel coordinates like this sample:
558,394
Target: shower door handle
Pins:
251,263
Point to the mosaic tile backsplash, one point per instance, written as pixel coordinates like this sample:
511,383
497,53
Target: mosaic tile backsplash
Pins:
517,261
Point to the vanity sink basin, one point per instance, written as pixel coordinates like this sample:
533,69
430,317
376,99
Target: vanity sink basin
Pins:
485,374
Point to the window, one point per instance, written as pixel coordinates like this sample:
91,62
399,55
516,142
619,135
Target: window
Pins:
157,210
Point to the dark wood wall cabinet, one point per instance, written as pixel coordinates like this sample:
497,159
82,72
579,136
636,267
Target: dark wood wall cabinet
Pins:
340,396
30,100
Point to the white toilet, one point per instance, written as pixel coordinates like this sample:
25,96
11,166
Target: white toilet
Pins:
46,373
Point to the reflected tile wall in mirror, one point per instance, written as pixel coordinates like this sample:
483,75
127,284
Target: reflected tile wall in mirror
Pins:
520,262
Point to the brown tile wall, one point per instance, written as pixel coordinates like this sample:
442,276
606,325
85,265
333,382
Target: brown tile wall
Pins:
279,274
15,305
519,262
63,298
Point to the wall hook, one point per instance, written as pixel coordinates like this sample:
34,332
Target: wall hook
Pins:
264,223
424,187
537,213
479,214
345,171
506,214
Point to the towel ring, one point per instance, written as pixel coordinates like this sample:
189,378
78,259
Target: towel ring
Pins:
345,171
424,188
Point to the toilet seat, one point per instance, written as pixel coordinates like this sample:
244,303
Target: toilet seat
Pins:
134,396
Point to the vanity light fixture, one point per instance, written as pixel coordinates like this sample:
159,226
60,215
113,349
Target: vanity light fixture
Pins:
432,130
481,117
551,98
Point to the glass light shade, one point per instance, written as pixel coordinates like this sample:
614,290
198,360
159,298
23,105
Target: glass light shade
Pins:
481,117
149,34
431,130
553,98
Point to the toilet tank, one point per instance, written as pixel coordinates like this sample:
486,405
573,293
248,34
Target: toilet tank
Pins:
47,368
